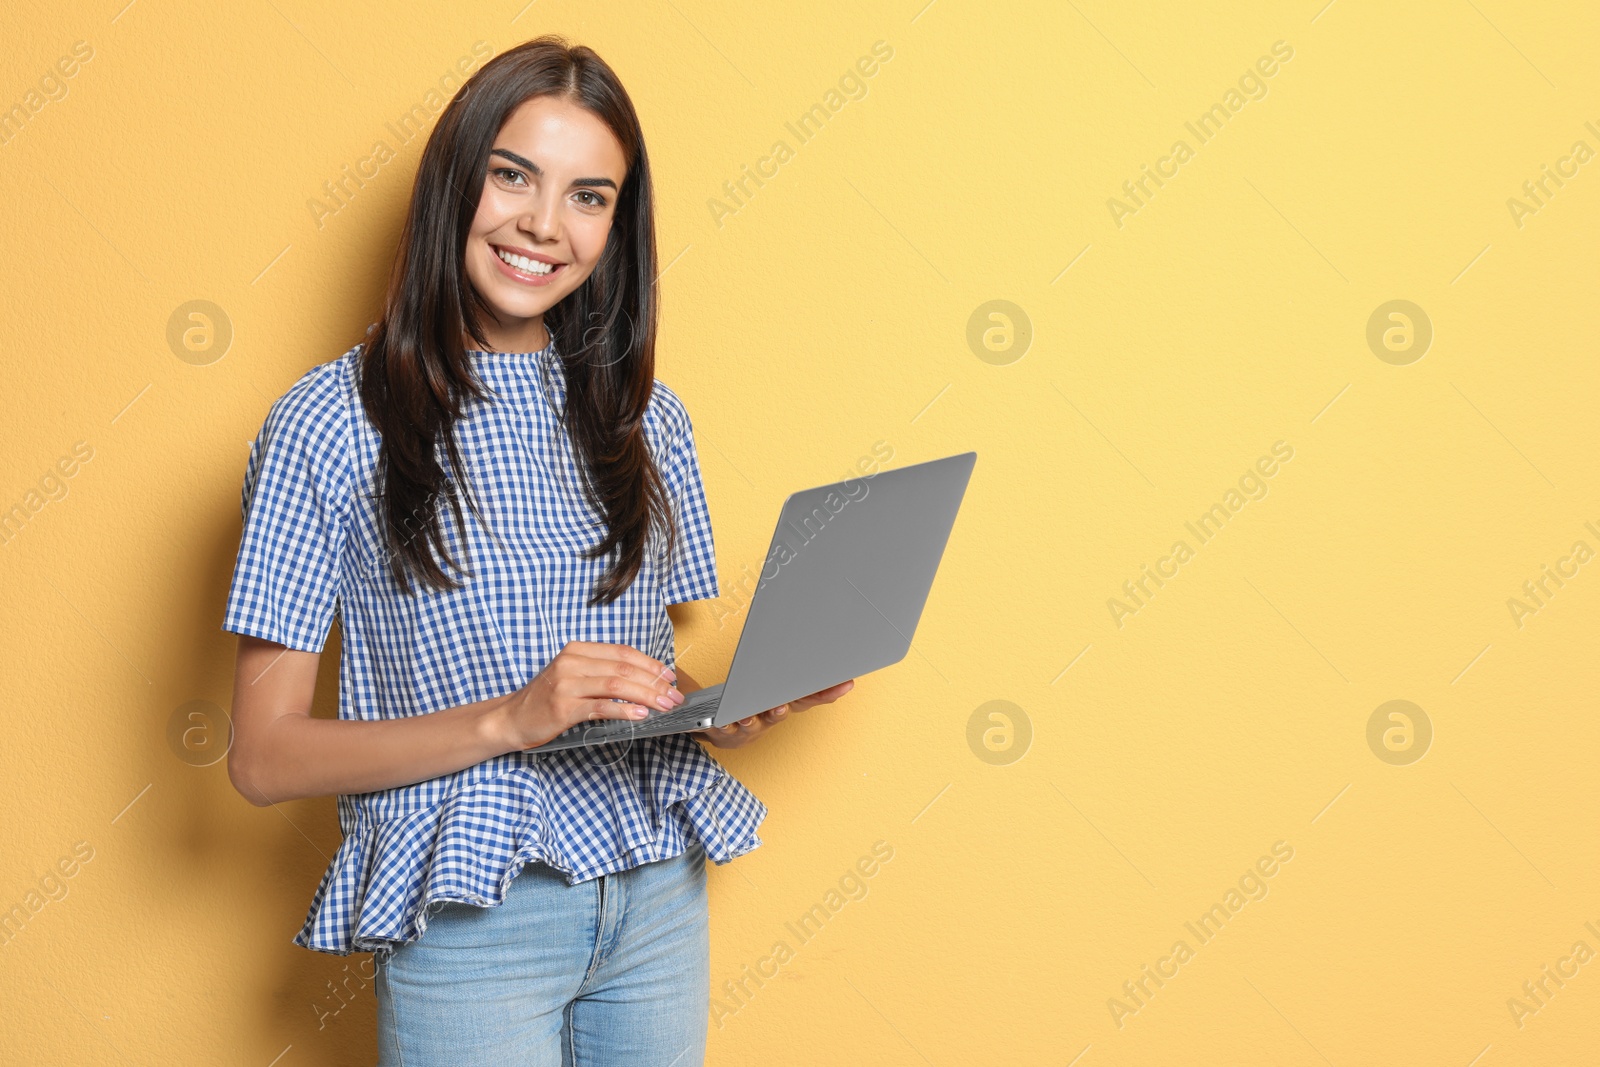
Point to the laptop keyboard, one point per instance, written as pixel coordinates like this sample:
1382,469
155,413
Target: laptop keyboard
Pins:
691,715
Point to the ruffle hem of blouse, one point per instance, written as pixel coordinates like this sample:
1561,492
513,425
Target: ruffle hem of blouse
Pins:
461,850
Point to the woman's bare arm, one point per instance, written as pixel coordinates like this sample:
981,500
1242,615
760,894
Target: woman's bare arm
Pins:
280,752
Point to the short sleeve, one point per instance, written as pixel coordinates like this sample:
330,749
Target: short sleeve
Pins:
286,580
692,572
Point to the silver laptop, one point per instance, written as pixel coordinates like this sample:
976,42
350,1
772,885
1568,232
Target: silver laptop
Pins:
839,595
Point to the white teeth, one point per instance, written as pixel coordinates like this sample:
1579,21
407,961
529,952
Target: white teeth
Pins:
532,266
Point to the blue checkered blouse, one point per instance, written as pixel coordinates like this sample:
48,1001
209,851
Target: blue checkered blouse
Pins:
310,550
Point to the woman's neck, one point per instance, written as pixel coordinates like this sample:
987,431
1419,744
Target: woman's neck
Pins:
530,336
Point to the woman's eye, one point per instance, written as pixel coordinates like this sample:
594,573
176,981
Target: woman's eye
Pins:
510,176
598,201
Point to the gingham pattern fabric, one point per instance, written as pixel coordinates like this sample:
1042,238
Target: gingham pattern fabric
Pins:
310,550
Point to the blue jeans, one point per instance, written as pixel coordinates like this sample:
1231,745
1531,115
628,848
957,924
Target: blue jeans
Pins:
615,970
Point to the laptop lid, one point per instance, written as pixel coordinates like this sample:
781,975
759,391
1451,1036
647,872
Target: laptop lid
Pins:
843,583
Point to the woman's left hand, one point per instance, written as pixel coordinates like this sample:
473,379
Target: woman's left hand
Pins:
737,734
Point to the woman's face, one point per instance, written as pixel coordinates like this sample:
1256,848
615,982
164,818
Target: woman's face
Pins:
548,201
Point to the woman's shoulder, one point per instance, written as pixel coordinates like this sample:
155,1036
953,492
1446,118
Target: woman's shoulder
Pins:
666,413
316,408
307,435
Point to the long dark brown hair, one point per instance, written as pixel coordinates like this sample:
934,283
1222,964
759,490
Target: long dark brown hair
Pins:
416,376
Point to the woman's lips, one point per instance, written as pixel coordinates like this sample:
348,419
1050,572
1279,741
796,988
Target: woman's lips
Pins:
523,277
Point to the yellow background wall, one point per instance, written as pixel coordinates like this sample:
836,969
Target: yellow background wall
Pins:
1146,759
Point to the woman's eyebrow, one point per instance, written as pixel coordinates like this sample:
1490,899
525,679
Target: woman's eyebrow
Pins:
533,168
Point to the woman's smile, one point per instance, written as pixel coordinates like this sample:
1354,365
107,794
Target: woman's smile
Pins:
525,267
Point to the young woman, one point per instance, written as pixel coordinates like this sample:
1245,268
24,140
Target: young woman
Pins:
522,907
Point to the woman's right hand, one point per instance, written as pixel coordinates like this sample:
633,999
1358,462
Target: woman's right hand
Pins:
587,680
